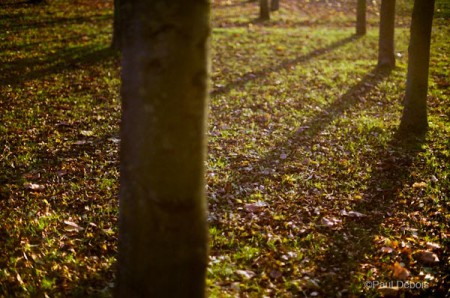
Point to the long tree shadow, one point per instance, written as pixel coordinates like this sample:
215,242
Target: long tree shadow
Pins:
352,245
62,168
349,245
305,134
16,25
40,148
241,81
24,69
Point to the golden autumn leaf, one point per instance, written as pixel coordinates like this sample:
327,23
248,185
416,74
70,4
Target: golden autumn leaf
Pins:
400,272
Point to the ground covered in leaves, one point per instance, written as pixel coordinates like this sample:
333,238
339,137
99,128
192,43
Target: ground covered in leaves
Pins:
311,193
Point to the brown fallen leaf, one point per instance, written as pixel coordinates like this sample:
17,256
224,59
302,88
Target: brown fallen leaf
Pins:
387,249
400,272
255,207
72,227
87,133
433,246
33,186
19,279
388,291
81,142
426,257
354,214
275,274
330,221
419,185
246,274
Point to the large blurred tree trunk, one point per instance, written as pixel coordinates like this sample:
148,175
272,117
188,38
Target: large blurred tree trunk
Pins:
386,57
361,17
162,220
414,119
264,13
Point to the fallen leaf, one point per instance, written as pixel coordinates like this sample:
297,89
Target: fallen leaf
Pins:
354,214
275,274
87,133
35,187
81,142
115,140
255,207
433,246
387,249
419,185
330,221
19,279
72,227
400,272
246,274
426,257
389,291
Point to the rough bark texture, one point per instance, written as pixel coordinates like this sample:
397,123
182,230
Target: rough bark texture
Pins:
414,119
361,17
162,222
274,5
264,13
386,57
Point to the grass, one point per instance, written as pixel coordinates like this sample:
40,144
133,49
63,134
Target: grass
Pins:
310,192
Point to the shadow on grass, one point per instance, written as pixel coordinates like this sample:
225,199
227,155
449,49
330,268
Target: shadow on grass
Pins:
304,135
24,69
303,138
282,65
27,144
349,246
16,24
14,4
352,245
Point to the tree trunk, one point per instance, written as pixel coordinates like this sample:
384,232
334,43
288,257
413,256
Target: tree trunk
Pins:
414,118
274,5
163,235
361,17
386,57
264,13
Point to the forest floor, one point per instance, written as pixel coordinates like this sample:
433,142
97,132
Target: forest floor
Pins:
311,193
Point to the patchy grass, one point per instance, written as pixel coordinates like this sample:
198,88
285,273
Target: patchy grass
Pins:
310,192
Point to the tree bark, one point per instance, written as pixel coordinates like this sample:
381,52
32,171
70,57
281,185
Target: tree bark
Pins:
386,57
274,5
163,235
414,119
264,13
361,17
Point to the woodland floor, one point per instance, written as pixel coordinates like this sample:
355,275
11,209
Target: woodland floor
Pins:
311,194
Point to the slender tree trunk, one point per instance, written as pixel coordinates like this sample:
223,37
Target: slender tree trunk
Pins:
274,5
386,57
361,17
264,13
414,119
162,220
